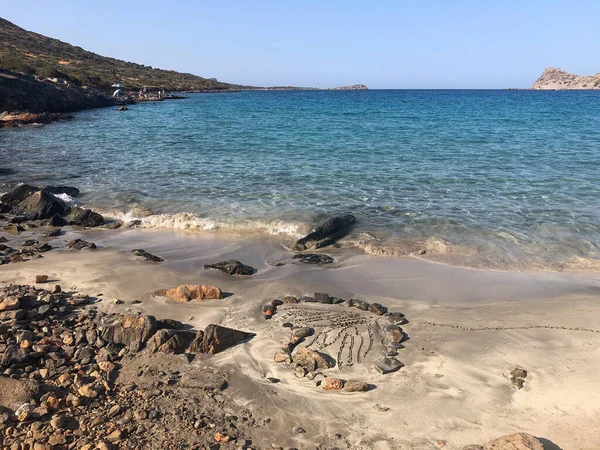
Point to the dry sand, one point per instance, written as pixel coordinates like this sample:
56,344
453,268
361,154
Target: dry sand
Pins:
468,329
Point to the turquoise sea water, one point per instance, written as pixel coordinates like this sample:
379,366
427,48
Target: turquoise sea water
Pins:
490,179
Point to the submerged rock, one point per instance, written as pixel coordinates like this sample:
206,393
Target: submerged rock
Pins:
317,259
326,234
146,256
231,267
13,228
80,244
189,292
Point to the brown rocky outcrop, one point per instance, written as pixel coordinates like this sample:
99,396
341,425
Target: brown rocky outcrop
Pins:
553,79
217,338
231,267
131,330
189,292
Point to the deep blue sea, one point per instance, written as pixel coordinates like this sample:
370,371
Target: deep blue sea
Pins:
490,179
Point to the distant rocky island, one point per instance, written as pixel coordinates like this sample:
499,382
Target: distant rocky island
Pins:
553,79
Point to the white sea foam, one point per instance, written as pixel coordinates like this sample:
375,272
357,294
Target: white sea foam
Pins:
191,222
65,198
504,255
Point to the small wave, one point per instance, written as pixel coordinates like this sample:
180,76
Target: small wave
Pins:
65,198
191,222
502,255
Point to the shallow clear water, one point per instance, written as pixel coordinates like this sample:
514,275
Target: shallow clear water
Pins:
491,179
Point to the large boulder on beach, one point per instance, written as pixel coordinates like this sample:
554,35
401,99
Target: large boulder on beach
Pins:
217,338
40,205
84,218
189,292
231,267
326,234
18,194
517,441
131,330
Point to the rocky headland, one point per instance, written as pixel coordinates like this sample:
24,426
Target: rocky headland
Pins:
557,79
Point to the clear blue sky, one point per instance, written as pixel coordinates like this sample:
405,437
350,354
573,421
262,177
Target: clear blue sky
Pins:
384,44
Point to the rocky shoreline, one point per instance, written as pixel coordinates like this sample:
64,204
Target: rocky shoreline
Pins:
76,376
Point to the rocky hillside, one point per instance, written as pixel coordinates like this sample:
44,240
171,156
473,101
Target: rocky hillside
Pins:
553,79
20,92
32,53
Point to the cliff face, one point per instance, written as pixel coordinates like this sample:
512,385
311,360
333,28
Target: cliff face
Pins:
24,93
553,79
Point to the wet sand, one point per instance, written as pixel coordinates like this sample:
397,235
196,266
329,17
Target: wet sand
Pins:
468,329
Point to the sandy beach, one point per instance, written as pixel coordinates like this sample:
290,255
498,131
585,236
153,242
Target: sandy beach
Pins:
467,329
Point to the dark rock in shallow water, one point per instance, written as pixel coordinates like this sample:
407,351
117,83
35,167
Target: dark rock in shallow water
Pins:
57,190
40,205
147,256
18,194
13,228
58,221
217,338
52,233
4,208
80,244
85,218
326,234
314,258
231,267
